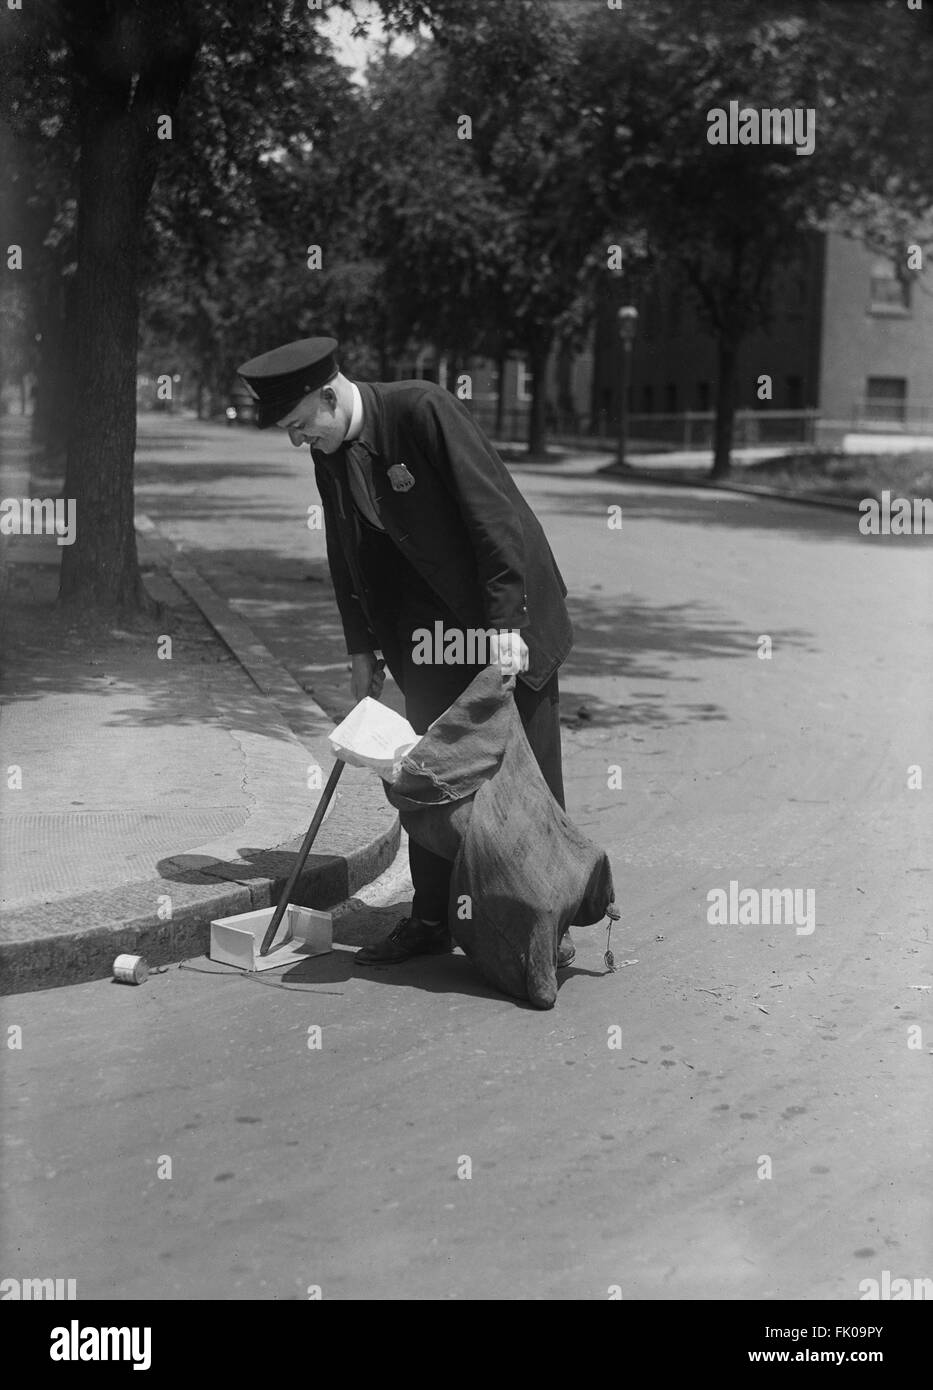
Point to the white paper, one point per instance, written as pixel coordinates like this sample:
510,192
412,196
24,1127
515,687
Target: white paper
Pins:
375,737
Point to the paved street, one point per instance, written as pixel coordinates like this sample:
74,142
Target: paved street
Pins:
743,1049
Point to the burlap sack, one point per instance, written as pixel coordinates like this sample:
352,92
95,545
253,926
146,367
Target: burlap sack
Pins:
472,792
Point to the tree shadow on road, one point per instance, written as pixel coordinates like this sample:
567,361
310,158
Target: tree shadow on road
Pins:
639,641
291,608
289,602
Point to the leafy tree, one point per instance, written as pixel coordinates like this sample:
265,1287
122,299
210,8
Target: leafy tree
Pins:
126,65
255,179
487,239
430,220
731,216
38,180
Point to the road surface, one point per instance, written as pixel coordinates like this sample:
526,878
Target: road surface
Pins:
740,1111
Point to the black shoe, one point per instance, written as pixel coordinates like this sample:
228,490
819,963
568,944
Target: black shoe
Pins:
566,951
411,937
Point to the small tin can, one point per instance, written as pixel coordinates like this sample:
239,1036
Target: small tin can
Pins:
131,970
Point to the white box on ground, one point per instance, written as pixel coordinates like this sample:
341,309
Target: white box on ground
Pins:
303,932
373,736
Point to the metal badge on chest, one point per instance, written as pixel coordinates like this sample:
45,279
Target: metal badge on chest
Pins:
400,478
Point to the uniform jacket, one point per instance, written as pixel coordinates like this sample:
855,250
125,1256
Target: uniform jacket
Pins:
464,525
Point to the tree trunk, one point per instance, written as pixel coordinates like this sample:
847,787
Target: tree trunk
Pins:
500,395
566,404
53,397
595,423
210,374
537,427
725,406
101,567
131,66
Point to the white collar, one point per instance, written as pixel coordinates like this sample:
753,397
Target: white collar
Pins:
356,414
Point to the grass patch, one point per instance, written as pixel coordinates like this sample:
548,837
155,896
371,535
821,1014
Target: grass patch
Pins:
828,473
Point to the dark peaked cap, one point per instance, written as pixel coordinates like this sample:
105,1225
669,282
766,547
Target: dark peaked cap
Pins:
278,379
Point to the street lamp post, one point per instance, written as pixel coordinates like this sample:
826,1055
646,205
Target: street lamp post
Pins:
628,322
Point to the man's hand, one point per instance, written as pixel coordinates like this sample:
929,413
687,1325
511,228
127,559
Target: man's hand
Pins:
508,651
367,676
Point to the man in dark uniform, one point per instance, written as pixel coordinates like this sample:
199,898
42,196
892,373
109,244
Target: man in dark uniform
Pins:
424,525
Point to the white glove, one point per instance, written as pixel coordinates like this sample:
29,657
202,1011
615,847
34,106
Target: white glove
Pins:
508,651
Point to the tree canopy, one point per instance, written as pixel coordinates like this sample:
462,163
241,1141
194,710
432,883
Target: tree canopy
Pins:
185,159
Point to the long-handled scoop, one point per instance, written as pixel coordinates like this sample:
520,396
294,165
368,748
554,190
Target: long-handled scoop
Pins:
303,853
309,839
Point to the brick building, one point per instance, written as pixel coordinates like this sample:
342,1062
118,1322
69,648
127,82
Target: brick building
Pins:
849,349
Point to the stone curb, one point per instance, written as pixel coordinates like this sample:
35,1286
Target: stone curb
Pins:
76,939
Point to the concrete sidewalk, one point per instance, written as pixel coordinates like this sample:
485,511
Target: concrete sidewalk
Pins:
146,794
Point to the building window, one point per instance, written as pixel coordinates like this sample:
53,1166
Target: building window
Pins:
890,288
886,399
703,395
793,392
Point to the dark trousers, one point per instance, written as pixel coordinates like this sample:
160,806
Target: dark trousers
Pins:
404,602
